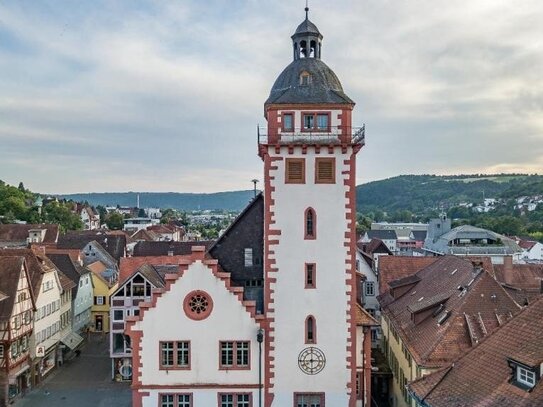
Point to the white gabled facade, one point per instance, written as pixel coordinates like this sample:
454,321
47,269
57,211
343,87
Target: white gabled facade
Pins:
168,319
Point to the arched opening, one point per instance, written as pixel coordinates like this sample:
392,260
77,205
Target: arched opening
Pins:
310,224
313,49
295,50
310,330
303,49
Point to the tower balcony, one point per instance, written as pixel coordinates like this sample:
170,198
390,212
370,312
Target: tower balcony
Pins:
334,135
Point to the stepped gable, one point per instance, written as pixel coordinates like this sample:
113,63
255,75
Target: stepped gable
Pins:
484,376
452,307
198,254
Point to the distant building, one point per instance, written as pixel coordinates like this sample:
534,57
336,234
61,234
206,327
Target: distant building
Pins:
468,240
387,236
21,235
135,224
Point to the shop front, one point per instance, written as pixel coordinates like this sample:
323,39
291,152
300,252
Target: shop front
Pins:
42,366
122,369
18,381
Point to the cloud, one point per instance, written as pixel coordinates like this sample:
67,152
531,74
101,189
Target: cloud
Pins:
166,95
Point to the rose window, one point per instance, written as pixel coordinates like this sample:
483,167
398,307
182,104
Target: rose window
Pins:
198,305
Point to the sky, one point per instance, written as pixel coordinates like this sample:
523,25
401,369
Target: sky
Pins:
101,96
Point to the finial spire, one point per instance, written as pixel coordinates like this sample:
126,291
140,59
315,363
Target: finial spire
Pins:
307,9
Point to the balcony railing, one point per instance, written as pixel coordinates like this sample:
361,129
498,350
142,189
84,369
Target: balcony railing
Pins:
331,135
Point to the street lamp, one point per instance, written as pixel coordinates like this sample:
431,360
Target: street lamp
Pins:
259,339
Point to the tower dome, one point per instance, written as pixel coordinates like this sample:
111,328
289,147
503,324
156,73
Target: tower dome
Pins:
307,79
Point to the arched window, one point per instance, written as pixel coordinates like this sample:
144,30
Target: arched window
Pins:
303,49
310,224
310,330
312,49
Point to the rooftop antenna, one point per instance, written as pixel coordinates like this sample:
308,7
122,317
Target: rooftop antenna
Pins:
254,181
306,9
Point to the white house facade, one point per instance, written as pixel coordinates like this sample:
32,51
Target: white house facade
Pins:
195,343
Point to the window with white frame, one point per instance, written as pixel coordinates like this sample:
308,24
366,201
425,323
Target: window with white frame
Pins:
369,288
248,257
525,376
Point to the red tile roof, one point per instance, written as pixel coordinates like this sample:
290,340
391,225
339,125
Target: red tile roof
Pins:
473,312
130,264
19,233
481,377
395,267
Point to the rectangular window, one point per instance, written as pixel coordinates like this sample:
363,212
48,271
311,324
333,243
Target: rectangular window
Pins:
316,121
308,399
325,170
183,354
175,355
234,355
166,400
99,300
166,354
248,257
295,171
310,278
118,315
322,121
287,122
309,121
525,376
235,400
370,288
184,400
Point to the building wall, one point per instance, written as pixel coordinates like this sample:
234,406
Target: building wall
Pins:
82,303
45,323
166,321
402,364
101,289
290,303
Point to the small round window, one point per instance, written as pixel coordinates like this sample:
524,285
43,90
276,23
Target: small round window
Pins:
198,305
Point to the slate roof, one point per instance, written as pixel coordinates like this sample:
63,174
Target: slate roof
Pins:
473,312
419,235
307,27
113,243
163,248
382,234
19,233
396,267
482,376
324,87
65,264
10,271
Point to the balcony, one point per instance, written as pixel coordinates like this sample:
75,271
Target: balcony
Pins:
339,135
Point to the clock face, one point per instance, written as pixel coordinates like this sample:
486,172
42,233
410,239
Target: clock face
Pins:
311,360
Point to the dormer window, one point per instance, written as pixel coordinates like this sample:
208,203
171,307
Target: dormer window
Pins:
305,78
525,376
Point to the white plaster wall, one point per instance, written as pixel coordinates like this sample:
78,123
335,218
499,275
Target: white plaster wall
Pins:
535,253
200,397
228,321
365,269
45,298
329,302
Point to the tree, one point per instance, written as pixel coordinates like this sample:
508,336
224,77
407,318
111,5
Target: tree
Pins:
115,221
56,212
21,187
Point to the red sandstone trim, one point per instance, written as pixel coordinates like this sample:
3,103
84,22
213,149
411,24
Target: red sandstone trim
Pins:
283,114
195,386
315,128
176,398
190,313
321,395
176,365
323,159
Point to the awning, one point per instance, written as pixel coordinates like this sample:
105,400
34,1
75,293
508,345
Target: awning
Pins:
72,340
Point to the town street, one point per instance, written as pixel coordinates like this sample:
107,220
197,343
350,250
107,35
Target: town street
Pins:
84,381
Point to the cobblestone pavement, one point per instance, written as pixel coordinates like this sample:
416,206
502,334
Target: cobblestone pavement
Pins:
81,382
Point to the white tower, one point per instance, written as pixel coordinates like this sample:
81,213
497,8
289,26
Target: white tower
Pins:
309,152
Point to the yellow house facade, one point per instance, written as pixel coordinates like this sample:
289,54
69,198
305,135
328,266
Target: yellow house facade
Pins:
100,307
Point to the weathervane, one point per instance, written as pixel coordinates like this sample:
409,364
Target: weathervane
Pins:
306,9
